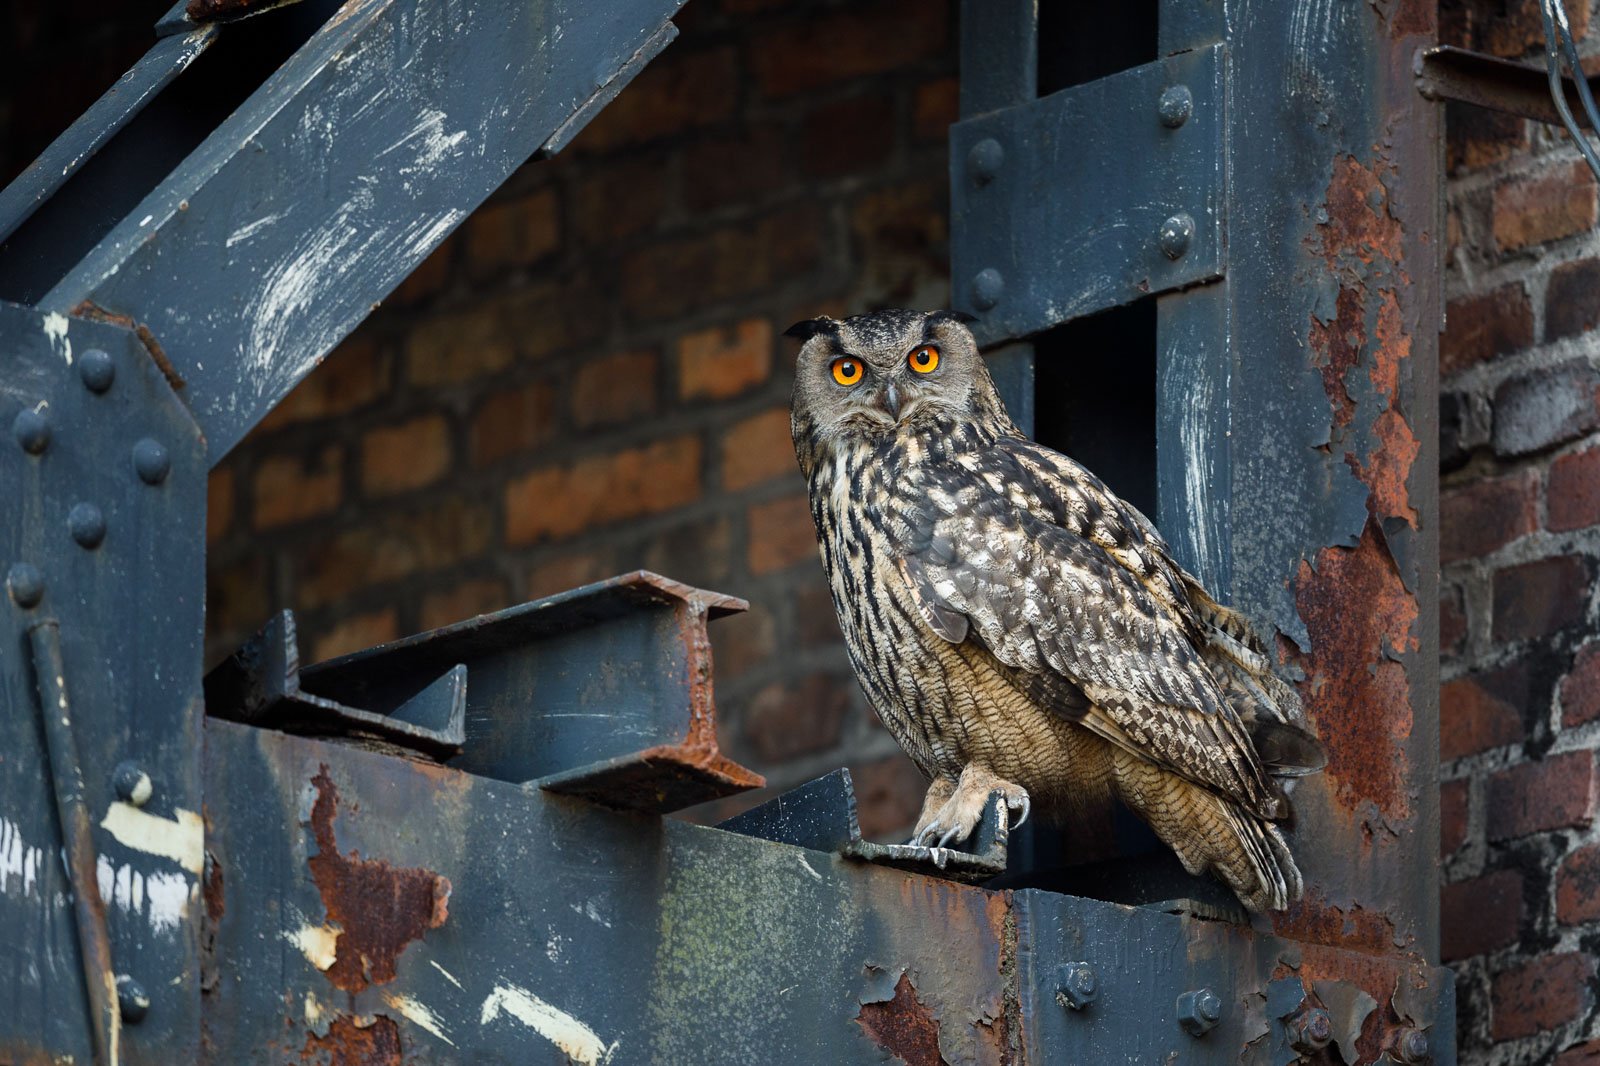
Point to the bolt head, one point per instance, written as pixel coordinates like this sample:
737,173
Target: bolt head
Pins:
31,430
132,784
1310,1029
97,369
987,288
1076,985
26,585
151,460
984,160
1175,235
1175,106
86,524
1412,1047
132,999
1199,1011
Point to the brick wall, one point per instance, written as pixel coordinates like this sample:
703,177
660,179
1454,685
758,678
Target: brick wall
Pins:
1520,551
589,376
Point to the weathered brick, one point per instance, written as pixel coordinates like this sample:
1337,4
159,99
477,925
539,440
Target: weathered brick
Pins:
615,388
699,552
1546,205
430,278
527,324
565,572
406,544
510,233
935,109
745,641
512,421
239,596
293,488
781,535
1534,797
1476,137
907,226
625,197
1578,887
1482,711
787,720
1484,325
1481,516
463,599
718,363
1580,689
758,449
356,633
1455,431
1480,915
679,91
816,622
1543,408
1540,995
1572,500
410,455
555,502
889,795
1538,598
726,263
736,169
1452,620
220,503
352,376
1572,300
1511,29
1454,811
845,136
860,39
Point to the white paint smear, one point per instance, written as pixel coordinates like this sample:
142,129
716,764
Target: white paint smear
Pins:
182,840
250,229
55,327
162,898
557,1026
19,860
448,976
318,943
418,1013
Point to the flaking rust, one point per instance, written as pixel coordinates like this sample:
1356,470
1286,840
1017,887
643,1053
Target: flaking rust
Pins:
351,1044
903,1026
378,908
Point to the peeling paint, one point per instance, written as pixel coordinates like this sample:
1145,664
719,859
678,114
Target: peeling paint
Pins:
419,1014
350,1043
19,860
903,1026
183,839
557,1026
318,943
161,898
55,327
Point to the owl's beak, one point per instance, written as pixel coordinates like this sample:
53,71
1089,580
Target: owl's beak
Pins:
889,401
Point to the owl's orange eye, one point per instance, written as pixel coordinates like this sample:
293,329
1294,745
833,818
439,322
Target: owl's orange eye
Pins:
846,371
924,360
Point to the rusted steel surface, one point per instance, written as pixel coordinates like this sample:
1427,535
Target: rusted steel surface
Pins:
207,10
349,1043
1445,72
902,1026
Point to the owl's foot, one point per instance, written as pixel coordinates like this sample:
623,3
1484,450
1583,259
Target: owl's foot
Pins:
964,801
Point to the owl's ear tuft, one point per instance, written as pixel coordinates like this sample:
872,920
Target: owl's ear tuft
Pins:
804,331
952,316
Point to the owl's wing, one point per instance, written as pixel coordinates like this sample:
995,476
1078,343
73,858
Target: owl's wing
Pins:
1076,598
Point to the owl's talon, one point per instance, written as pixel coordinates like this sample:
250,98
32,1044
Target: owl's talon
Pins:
1022,801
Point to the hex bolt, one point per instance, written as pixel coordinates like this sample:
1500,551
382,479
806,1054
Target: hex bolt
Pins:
1309,1029
984,160
97,369
150,459
987,288
1076,985
1175,234
32,430
132,999
1175,106
26,584
132,784
1412,1046
86,524
1199,1011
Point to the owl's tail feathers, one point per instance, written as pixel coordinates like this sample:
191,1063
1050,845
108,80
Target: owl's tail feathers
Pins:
1264,876
1286,750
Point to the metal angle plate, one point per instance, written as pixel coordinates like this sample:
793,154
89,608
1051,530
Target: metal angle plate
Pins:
1090,197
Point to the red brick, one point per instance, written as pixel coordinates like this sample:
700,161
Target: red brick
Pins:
889,796
462,600
935,109
615,388
679,91
1485,325
1481,711
1479,916
1546,406
907,227
430,278
758,449
698,552
406,456
625,197
740,169
556,502
238,596
715,364
1454,802
1452,621
352,376
526,324
1572,299
1572,500
356,633
1538,598
726,263
1546,205
1538,996
444,533
781,535
860,39
816,622
511,233
1511,29
512,421
1476,137
744,641
566,572
293,488
220,503
1580,1055
786,721
1580,689
1554,793
1578,887
1484,515
848,136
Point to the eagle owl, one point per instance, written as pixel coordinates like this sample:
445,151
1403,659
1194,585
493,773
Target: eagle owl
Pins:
1020,629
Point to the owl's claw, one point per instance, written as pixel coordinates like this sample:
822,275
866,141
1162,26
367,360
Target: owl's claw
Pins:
1022,801
957,817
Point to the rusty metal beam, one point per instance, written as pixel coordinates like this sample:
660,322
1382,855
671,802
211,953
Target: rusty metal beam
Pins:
1445,72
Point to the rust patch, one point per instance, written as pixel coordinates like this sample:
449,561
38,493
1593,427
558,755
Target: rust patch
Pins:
1315,919
1335,350
1360,619
1359,221
903,1026
379,908
212,892
95,313
1389,464
1409,18
349,1044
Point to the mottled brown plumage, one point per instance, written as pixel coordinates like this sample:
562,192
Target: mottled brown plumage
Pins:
1019,628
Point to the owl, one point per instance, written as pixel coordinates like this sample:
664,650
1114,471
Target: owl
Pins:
1020,629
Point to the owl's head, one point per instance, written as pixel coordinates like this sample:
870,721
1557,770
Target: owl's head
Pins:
864,379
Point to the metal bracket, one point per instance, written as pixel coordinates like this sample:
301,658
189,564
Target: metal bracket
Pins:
1445,72
1090,197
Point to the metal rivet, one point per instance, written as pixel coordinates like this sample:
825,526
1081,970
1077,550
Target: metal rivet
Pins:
1199,1011
1412,1047
26,584
984,160
86,524
131,998
32,430
1175,235
132,784
150,459
1175,106
1076,985
987,288
1309,1029
97,369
